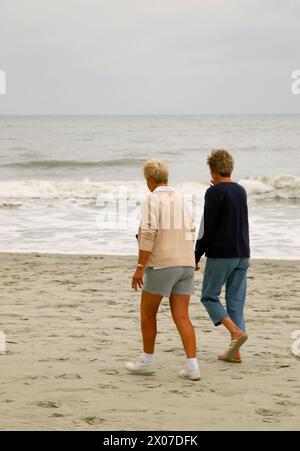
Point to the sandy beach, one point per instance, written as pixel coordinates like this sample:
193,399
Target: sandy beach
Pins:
72,321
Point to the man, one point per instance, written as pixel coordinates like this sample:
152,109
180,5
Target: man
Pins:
224,238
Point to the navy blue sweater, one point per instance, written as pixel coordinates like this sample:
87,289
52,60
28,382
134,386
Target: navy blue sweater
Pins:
224,230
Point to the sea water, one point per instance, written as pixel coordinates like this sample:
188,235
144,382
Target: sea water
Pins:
62,177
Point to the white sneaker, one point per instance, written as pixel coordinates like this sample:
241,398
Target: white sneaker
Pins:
140,367
193,375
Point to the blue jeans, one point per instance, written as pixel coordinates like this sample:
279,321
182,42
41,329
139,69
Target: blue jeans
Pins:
233,273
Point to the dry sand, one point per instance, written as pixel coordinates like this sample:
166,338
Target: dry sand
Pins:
72,322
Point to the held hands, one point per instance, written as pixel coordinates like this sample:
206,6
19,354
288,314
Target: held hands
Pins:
138,279
197,267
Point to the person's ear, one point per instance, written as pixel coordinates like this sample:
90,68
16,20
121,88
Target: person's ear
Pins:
150,183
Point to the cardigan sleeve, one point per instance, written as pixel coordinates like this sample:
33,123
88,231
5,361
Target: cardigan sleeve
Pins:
149,223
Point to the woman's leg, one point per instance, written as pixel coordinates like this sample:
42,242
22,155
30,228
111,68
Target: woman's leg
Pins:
149,308
179,305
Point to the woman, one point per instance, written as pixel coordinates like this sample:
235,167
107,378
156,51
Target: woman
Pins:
166,268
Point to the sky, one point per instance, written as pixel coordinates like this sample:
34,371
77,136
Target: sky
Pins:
149,56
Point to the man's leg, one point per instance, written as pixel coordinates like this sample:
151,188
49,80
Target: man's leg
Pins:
216,272
235,293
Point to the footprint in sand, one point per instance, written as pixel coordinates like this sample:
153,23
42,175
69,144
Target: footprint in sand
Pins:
109,372
49,404
179,392
90,290
69,376
153,386
160,412
93,420
107,386
286,403
267,413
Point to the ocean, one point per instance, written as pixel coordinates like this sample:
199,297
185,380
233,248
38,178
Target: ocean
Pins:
73,184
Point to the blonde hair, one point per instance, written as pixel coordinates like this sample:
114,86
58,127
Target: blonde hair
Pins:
221,161
158,170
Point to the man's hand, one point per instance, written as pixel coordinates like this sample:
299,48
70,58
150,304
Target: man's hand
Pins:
138,279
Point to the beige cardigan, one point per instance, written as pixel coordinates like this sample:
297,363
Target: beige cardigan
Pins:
167,230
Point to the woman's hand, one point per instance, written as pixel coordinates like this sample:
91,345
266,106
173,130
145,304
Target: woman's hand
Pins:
138,279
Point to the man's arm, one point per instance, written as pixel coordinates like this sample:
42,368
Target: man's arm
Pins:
209,223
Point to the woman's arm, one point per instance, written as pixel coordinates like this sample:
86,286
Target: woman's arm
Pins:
138,277
148,230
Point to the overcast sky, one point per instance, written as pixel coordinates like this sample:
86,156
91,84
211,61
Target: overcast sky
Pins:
149,56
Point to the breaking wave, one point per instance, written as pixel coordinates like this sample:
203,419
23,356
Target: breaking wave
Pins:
260,188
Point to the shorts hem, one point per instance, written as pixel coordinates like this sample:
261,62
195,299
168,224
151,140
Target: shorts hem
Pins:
155,292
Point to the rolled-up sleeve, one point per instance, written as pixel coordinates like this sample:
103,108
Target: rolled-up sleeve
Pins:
149,223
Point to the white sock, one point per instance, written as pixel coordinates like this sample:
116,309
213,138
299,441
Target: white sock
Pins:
192,364
147,358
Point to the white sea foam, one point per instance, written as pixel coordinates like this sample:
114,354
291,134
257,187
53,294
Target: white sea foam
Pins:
255,186
279,187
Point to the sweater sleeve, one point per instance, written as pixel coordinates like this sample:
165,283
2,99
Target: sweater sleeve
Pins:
149,223
209,223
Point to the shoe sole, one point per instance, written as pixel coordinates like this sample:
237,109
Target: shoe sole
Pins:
197,378
141,372
225,359
239,343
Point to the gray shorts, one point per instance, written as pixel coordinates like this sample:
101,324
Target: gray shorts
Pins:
164,281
